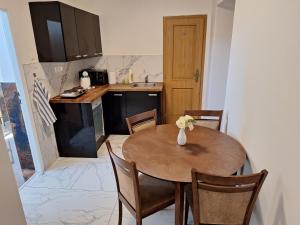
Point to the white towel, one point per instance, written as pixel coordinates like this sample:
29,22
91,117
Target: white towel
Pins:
41,98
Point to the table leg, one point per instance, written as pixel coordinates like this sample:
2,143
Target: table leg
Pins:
179,202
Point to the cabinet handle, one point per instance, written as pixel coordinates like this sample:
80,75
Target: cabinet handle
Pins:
78,56
85,55
96,53
118,95
152,95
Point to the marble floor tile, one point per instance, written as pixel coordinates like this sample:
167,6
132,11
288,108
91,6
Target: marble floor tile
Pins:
96,176
116,142
62,174
81,191
163,217
62,207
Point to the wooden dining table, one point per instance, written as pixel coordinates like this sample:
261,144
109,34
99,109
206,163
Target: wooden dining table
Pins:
156,153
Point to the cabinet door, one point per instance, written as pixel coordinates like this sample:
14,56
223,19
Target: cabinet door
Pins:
114,108
74,130
70,32
48,34
138,102
97,35
85,33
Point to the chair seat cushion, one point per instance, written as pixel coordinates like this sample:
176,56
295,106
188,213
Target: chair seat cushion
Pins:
155,192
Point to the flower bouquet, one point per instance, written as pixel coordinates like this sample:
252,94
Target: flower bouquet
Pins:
182,123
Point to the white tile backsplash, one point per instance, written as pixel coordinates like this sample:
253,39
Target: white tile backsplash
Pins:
151,65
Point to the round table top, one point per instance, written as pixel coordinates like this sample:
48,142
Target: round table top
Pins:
156,152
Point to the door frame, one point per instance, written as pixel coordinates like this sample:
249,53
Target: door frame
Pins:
202,74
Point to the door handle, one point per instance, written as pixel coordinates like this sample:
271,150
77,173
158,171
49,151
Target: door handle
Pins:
197,74
85,55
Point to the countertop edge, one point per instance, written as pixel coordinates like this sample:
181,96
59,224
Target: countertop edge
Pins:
99,91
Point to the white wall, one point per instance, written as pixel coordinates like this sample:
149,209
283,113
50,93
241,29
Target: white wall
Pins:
263,101
23,37
11,212
135,27
221,43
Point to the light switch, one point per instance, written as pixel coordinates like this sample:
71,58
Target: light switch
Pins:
58,69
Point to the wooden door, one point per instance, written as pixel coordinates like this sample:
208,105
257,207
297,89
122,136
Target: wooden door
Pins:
184,49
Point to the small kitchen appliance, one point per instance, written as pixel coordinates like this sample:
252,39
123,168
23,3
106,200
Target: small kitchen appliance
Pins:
85,81
98,77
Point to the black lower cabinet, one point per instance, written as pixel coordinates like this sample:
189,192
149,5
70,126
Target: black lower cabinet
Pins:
119,105
74,130
142,102
114,112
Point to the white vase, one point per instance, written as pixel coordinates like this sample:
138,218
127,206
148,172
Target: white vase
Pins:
181,138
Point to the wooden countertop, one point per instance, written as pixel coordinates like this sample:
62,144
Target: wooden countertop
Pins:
94,93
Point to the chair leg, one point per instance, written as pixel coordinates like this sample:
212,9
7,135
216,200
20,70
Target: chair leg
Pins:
186,211
120,213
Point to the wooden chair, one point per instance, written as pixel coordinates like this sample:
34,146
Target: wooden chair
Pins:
142,195
223,200
141,121
207,118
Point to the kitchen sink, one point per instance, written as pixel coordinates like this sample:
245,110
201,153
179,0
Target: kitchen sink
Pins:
141,84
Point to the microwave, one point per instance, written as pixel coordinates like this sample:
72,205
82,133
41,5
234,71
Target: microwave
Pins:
98,77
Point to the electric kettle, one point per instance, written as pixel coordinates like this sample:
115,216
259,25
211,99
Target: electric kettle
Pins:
85,81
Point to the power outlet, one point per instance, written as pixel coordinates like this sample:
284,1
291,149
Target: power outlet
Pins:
58,69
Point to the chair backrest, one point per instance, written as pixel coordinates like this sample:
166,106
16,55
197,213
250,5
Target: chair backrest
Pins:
225,200
126,176
207,118
141,121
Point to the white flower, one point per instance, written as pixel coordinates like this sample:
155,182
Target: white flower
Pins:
185,121
181,123
188,118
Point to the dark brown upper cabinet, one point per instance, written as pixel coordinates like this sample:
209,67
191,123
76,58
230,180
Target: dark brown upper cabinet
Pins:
97,33
64,33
